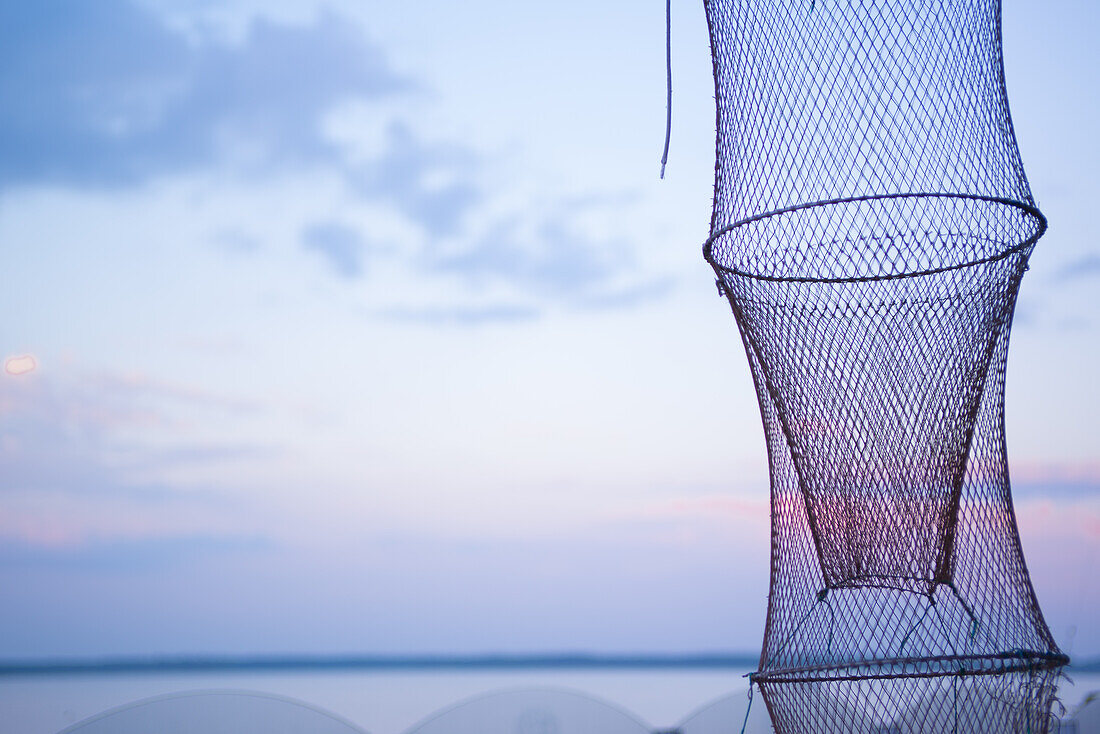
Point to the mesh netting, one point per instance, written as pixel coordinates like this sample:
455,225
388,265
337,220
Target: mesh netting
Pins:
871,224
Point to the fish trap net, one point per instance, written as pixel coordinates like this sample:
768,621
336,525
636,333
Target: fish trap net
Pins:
871,225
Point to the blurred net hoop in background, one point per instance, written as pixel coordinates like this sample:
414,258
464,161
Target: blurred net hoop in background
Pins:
215,712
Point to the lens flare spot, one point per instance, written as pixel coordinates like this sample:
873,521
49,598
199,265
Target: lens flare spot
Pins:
20,365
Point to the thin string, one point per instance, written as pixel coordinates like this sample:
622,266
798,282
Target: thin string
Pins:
822,596
916,625
668,70
748,709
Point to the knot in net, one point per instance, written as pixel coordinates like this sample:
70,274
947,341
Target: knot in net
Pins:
871,225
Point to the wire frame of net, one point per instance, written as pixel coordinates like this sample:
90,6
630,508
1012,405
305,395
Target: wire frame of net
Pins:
871,225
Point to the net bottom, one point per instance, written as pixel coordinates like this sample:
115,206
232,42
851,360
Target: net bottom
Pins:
960,704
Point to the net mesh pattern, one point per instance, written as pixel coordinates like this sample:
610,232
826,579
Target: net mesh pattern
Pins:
871,225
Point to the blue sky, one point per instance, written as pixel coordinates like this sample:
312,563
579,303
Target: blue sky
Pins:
369,327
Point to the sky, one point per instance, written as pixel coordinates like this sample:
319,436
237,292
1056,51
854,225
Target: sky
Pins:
369,327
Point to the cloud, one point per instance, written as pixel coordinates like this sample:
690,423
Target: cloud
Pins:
112,94
512,267
80,492
125,555
460,315
430,182
341,246
1084,267
106,93
131,388
236,242
1060,481
545,260
50,440
147,458
20,365
548,257
69,439
629,296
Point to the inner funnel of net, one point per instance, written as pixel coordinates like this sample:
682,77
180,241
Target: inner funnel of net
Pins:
873,321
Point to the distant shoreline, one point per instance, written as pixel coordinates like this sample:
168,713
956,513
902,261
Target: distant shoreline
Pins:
181,663
209,664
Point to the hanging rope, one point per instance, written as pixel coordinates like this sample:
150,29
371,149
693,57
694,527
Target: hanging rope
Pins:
668,85
749,708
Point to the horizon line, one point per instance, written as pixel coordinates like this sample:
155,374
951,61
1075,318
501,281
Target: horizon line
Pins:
427,661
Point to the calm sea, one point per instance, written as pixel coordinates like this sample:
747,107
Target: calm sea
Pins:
383,701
